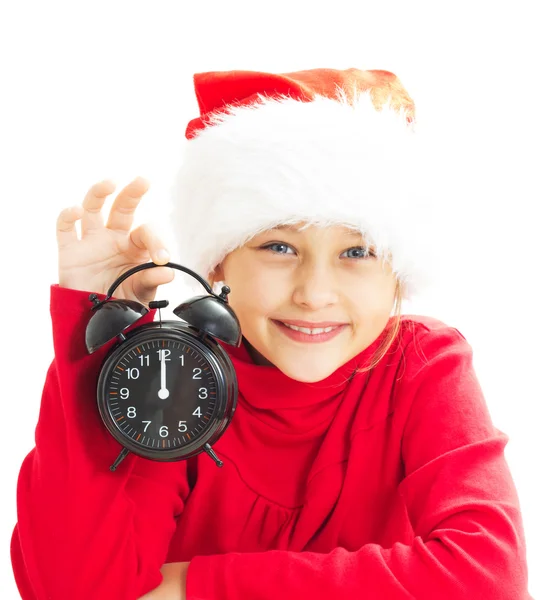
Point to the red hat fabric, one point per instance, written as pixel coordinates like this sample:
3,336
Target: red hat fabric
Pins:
215,91
320,146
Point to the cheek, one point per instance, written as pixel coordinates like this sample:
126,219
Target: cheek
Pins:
374,300
258,294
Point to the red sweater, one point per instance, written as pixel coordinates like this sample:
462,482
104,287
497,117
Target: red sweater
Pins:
393,486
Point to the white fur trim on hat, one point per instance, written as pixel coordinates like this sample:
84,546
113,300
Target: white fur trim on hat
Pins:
284,161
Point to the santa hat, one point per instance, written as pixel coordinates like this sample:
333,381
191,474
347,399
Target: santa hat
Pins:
321,146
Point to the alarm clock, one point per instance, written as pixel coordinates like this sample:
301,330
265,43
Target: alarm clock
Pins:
166,390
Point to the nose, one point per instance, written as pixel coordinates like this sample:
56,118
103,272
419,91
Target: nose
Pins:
315,287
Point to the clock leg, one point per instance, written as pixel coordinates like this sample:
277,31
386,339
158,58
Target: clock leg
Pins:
120,458
212,454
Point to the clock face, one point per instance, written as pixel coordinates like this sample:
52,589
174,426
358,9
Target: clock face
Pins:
161,393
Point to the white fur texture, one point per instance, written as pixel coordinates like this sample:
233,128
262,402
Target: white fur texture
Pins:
284,161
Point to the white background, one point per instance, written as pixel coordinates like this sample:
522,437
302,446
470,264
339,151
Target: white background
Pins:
104,89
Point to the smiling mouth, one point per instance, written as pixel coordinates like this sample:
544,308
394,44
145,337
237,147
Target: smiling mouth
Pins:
306,334
312,331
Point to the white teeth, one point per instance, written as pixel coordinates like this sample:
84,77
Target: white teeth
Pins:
310,331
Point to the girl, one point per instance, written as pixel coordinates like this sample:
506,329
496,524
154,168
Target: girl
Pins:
361,461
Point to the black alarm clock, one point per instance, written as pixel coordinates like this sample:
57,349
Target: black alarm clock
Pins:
166,391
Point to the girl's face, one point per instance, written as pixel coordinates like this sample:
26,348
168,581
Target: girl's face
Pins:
308,278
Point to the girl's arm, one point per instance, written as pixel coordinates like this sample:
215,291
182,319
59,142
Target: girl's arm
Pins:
460,498
84,531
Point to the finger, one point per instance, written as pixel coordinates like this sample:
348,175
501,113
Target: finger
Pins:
66,232
145,283
144,239
94,200
123,208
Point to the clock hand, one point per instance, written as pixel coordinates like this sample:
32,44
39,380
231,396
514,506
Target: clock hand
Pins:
163,392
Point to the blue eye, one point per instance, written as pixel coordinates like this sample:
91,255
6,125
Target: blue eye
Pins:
282,248
361,252
276,245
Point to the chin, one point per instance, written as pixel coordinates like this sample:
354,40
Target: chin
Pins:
304,372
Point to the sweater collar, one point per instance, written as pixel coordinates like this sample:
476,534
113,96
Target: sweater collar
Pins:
267,387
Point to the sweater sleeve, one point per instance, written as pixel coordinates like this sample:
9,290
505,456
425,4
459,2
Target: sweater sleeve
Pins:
82,530
460,499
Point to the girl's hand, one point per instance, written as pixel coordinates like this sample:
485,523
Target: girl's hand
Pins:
105,251
173,586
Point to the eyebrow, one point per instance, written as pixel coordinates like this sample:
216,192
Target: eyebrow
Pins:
287,227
